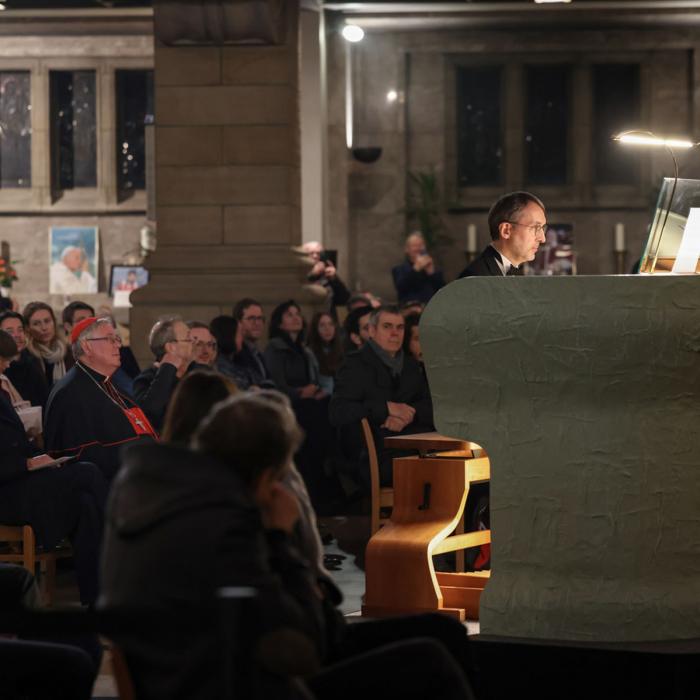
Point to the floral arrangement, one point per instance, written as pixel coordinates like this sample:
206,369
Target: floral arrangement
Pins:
8,274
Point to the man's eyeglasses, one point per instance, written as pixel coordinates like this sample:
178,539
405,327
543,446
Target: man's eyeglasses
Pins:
256,319
113,339
535,229
199,344
183,340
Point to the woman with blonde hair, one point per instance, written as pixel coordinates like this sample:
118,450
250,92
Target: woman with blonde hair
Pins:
45,340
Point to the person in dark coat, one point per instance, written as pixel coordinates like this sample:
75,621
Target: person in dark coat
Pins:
518,226
171,344
417,278
384,384
86,415
230,486
295,372
249,315
26,371
229,361
128,370
57,501
163,500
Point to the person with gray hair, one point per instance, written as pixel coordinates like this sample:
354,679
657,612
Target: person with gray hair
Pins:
384,384
87,416
170,341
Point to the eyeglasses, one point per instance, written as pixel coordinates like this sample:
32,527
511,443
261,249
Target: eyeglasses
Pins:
256,319
199,344
183,340
535,229
113,339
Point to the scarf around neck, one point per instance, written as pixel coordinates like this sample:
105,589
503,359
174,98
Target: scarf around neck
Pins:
395,364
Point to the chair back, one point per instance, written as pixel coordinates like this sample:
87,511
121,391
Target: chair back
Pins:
379,496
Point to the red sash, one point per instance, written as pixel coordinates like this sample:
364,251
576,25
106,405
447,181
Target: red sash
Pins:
139,422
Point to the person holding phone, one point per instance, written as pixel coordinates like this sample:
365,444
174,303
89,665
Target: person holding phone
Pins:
417,278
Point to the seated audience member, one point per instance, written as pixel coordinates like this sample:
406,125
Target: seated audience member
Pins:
324,274
26,371
411,338
295,372
44,340
417,278
291,364
356,328
192,400
385,385
57,502
251,324
230,488
227,333
324,341
171,344
128,370
73,313
86,415
204,346
194,397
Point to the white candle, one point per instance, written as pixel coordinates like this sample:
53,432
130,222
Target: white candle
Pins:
471,238
619,238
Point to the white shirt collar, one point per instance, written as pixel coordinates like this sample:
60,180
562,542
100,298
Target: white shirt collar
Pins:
503,263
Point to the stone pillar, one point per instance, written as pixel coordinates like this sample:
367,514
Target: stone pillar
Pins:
227,174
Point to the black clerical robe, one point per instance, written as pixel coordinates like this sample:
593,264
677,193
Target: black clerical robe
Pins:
83,419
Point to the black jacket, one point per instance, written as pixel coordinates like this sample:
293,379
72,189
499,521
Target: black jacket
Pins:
28,376
291,366
484,265
253,362
154,387
364,384
47,499
415,286
181,525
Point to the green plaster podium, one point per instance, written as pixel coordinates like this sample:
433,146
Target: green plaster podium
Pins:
585,393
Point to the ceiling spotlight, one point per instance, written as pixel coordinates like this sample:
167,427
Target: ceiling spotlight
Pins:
392,96
351,32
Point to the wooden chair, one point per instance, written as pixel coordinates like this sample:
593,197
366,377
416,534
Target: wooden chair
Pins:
382,497
26,554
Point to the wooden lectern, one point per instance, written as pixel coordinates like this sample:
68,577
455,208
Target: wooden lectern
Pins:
430,493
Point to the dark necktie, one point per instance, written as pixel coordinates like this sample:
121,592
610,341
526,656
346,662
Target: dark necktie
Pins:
514,271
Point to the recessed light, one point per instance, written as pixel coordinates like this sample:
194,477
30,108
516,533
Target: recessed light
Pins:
351,32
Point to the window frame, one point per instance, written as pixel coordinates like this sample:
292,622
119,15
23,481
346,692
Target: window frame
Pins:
581,191
103,198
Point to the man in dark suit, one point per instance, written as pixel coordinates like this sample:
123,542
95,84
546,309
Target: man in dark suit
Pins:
518,225
383,384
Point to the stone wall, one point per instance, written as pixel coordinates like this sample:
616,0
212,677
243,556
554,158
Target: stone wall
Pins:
416,133
28,237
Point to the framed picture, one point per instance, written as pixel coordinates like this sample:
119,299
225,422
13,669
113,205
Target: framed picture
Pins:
557,256
123,279
73,256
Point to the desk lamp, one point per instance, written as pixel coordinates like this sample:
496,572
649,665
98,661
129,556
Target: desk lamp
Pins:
649,139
